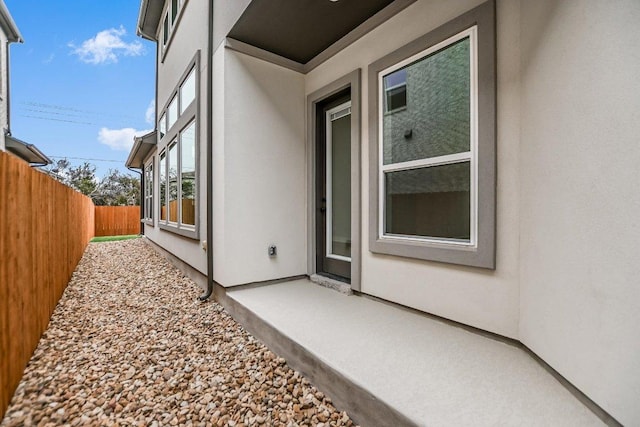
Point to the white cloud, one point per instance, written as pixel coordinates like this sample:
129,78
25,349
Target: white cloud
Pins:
49,59
119,139
106,46
150,114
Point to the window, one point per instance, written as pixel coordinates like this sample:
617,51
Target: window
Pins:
188,175
171,17
433,161
425,177
172,112
172,174
178,160
188,91
174,11
148,192
163,186
165,30
163,125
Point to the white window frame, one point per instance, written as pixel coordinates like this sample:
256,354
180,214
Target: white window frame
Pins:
469,156
148,192
182,107
173,145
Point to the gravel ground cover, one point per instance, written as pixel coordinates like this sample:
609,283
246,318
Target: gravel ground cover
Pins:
129,344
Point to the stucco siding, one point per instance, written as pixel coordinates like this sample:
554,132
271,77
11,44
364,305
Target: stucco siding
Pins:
579,198
264,172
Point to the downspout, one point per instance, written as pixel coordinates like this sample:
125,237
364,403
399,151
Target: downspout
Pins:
8,91
141,197
209,120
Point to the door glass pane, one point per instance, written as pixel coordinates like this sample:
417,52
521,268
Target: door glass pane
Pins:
436,120
163,187
173,183
188,174
429,202
340,174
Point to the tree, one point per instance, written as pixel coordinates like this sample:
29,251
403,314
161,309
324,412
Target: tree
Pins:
81,178
117,189
114,189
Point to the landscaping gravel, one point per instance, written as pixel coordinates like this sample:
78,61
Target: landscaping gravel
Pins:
130,344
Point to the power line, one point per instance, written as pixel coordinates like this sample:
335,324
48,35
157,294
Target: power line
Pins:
57,120
84,158
75,110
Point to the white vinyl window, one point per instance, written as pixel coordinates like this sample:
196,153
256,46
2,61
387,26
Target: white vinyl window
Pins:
432,166
427,156
179,187
172,113
188,91
148,192
163,125
170,20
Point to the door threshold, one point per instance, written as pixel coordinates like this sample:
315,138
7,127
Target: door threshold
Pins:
328,282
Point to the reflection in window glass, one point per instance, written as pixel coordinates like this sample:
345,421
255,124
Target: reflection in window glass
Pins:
188,91
163,187
429,202
165,30
188,174
172,112
173,182
395,89
174,11
437,117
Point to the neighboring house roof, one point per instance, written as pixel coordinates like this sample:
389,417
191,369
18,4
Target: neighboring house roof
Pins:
8,26
149,18
27,152
142,146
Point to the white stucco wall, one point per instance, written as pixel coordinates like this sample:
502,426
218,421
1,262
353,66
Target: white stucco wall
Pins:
579,198
261,171
481,298
189,36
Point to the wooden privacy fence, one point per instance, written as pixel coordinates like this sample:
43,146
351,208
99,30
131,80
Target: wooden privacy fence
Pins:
117,220
44,229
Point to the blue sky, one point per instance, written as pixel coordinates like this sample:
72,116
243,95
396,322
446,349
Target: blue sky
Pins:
82,83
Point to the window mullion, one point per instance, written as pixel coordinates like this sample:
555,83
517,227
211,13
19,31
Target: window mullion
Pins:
432,161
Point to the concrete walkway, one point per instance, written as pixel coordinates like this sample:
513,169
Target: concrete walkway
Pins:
129,344
434,373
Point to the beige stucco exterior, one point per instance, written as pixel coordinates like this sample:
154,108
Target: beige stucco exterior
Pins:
565,282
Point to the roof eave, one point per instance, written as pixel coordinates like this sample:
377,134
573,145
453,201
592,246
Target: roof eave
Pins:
9,26
142,146
149,19
27,152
